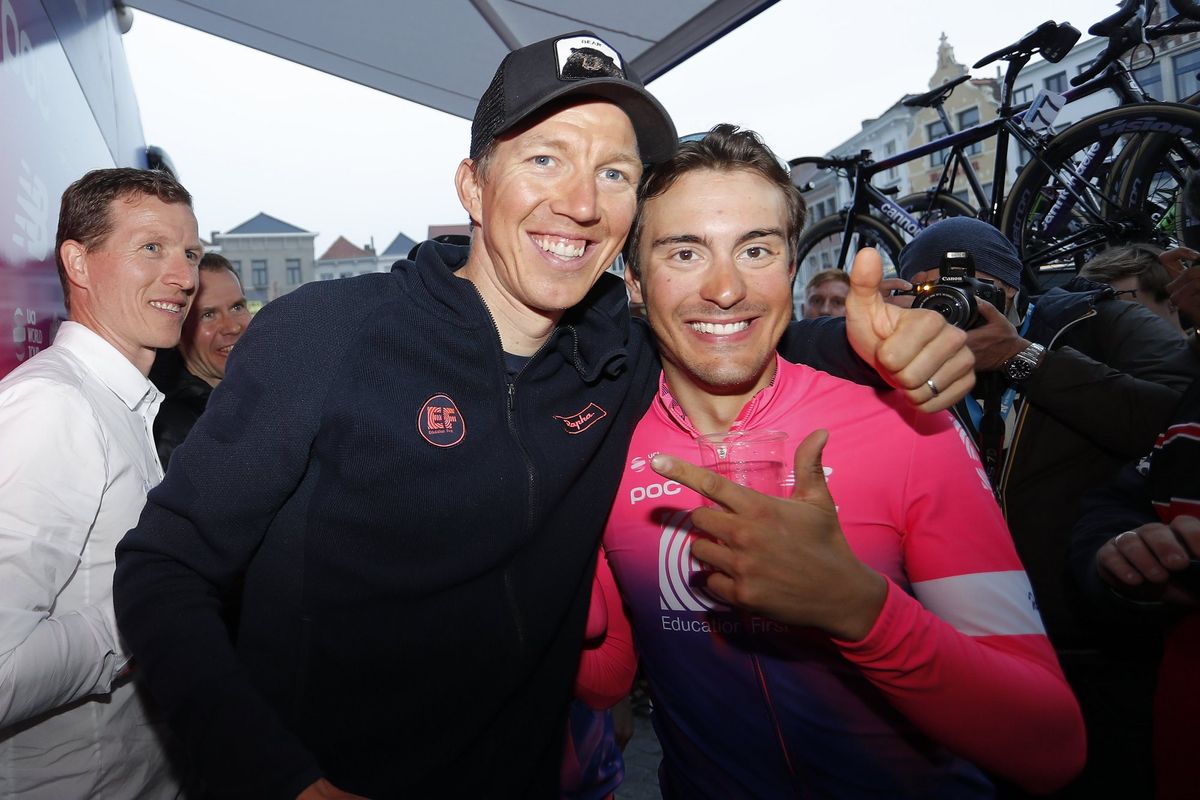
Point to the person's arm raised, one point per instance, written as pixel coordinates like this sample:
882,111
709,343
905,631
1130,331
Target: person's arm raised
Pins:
914,349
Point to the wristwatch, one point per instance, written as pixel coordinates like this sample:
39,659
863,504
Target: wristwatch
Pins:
1022,365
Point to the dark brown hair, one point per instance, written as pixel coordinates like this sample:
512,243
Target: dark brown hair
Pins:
723,149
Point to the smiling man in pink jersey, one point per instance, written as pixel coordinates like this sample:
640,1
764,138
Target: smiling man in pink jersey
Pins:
876,638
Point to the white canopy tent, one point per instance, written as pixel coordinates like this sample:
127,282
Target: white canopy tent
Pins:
442,53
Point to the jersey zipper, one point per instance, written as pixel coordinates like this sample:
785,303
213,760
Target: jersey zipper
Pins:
770,705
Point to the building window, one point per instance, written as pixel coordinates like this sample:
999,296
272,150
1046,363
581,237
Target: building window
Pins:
969,119
327,276
1056,82
237,267
293,272
1022,95
889,150
1149,78
1186,65
258,271
934,130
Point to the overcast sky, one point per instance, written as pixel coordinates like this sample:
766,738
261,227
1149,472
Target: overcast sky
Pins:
250,132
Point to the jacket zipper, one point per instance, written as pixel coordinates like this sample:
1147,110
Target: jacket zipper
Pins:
530,477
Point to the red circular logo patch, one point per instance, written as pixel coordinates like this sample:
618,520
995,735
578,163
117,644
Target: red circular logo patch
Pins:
440,423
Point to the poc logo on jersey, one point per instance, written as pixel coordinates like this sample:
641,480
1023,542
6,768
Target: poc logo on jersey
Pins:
655,490
440,423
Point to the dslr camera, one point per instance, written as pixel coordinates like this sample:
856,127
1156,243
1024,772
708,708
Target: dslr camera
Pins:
956,292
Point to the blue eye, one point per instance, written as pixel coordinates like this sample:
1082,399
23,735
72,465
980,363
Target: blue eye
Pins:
613,174
543,161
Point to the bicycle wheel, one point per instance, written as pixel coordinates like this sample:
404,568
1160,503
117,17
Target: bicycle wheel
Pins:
821,244
1066,204
1154,183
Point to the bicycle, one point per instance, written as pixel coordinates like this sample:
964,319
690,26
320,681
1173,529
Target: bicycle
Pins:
1056,185
1115,176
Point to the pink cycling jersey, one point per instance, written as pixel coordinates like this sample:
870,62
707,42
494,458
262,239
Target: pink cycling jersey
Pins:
956,673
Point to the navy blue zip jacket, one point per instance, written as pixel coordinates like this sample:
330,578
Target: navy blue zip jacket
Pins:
416,534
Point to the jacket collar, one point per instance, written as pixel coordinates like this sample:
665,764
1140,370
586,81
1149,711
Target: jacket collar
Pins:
1063,305
189,386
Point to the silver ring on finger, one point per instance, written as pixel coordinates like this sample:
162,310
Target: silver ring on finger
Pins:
1120,536
933,387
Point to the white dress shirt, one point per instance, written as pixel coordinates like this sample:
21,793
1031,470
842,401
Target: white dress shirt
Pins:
77,458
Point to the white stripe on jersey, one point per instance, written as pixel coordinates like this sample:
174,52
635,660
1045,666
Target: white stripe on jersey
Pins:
983,603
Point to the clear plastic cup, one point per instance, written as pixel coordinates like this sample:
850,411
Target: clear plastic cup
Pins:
754,459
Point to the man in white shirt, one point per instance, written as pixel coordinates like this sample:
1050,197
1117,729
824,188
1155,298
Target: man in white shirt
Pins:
76,460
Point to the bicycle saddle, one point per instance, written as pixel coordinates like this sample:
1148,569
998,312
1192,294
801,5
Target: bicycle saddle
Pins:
935,97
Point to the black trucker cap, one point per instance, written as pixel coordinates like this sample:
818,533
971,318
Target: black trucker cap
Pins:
579,63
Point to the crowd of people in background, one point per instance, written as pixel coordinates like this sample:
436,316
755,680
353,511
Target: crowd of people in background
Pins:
413,534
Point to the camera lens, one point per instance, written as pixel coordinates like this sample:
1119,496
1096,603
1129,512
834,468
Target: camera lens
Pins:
957,306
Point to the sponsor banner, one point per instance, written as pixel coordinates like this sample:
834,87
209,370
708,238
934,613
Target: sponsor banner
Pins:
51,135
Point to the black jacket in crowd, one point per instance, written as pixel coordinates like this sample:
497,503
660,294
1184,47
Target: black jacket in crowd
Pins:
1112,376
184,403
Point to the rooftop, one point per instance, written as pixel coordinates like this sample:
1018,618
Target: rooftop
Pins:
264,223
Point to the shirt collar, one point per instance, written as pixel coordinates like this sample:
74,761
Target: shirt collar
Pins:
107,363
755,407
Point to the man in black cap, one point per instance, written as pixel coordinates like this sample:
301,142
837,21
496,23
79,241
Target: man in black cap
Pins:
409,473
1069,387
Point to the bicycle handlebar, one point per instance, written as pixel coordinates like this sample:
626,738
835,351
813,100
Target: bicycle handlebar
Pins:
1130,33
1187,8
1128,28
1116,22
833,162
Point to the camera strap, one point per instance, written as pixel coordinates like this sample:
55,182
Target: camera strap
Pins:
991,424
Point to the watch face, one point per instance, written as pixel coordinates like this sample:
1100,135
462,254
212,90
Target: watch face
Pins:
1019,369
1021,366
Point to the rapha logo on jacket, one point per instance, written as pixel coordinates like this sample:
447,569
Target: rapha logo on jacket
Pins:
440,422
582,420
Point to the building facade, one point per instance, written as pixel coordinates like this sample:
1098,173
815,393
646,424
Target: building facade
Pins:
272,257
344,260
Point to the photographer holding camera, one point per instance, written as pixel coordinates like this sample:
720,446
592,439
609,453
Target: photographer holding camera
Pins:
1069,387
